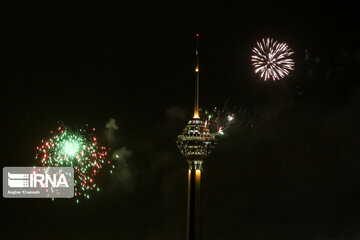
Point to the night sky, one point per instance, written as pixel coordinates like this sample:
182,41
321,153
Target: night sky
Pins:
288,170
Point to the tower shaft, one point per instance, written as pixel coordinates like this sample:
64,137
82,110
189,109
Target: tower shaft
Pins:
194,213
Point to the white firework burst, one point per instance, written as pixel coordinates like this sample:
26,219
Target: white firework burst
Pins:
272,59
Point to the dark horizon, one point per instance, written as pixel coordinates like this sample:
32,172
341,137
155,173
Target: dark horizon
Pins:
290,167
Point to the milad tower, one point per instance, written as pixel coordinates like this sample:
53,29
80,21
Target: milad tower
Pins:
195,144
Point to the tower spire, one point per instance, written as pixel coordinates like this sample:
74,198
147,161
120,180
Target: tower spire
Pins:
196,103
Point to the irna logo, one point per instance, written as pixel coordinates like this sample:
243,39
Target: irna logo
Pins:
33,180
38,182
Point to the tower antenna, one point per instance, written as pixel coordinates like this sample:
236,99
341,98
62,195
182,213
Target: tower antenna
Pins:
196,103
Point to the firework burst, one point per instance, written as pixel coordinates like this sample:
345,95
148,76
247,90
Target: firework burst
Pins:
79,149
221,120
272,59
